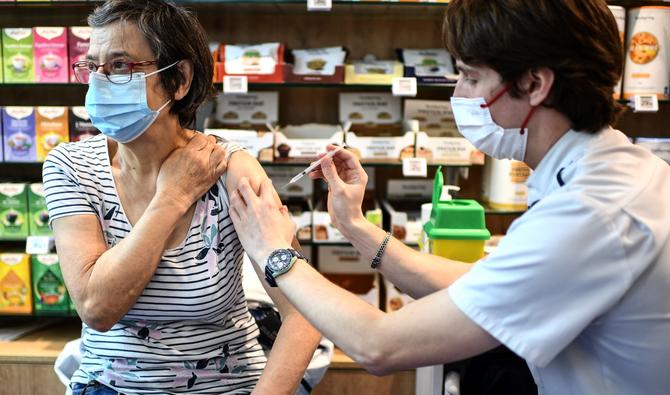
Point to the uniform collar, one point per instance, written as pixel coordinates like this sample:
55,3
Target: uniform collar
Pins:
555,169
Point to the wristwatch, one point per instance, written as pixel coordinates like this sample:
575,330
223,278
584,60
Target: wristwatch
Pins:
279,262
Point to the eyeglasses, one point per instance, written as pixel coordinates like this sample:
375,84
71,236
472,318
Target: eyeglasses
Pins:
122,72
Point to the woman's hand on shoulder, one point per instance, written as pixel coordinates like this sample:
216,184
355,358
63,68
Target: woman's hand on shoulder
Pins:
189,172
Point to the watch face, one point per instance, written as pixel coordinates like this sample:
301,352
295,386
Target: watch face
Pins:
279,259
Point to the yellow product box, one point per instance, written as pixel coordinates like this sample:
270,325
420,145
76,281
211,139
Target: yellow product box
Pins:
376,72
51,129
15,286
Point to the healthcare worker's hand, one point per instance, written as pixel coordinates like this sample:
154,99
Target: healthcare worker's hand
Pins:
189,172
346,184
261,223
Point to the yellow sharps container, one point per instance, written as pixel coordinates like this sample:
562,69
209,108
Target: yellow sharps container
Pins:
456,229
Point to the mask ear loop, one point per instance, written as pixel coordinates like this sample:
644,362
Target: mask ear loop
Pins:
499,95
159,70
496,97
525,121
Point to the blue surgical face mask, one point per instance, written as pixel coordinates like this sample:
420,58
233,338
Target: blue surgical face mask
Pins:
121,111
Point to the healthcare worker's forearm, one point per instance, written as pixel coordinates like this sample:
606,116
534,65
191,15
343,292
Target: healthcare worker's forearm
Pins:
417,274
291,354
328,306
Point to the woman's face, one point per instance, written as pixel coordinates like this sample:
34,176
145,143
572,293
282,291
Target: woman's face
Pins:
123,41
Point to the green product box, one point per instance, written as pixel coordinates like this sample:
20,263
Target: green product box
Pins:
37,209
49,290
17,54
2,67
13,211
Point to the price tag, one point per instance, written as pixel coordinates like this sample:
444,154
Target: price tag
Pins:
645,103
414,167
319,5
235,84
39,244
404,87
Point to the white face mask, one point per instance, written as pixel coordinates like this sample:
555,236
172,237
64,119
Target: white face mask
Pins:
476,124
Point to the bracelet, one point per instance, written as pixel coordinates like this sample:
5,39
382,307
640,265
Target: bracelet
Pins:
378,258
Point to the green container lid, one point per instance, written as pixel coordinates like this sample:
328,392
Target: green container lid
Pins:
457,219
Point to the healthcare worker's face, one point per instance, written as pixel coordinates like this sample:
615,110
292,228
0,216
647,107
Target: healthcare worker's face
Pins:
481,81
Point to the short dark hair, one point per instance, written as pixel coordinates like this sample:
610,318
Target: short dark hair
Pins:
174,34
577,39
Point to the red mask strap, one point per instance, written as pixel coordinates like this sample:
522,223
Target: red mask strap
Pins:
525,122
497,96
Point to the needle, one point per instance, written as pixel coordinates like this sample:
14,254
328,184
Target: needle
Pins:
311,167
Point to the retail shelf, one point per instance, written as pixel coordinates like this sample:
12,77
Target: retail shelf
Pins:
76,88
234,2
37,165
252,86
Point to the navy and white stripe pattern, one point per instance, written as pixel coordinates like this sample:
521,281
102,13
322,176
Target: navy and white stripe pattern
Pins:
190,330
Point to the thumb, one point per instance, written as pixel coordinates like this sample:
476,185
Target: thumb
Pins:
330,173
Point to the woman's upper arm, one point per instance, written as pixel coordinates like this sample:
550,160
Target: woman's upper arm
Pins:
80,243
241,165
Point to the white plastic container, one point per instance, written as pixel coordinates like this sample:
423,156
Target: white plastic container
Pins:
647,68
504,185
620,17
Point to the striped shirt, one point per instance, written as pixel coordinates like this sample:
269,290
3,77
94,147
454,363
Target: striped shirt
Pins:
190,330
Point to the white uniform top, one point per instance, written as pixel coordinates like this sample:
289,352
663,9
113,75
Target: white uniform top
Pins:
580,286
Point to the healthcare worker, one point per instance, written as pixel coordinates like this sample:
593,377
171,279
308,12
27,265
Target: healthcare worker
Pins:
580,285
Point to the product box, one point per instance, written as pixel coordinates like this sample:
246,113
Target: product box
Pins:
658,146
395,298
18,129
13,211
402,208
37,209
259,144
260,63
345,267
376,134
435,117
370,108
15,289
447,150
280,176
428,66
374,72
17,53
81,127
2,144
51,129
304,143
300,210
2,65
372,148
51,60
78,42
323,229
620,17
317,65
50,294
325,232
246,111
647,69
